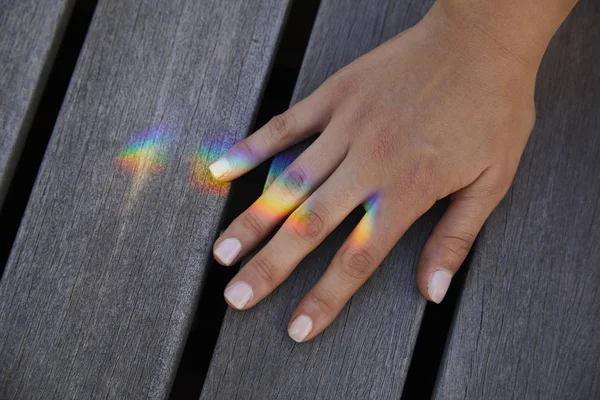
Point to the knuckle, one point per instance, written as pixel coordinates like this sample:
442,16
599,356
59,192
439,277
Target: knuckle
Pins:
381,150
422,174
413,204
501,187
496,191
357,264
309,224
459,244
295,180
281,126
244,148
342,85
264,268
252,222
324,301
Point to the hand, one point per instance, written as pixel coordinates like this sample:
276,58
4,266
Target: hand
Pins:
431,113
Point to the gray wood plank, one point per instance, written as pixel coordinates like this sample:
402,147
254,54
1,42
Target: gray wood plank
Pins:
103,280
30,32
528,319
365,353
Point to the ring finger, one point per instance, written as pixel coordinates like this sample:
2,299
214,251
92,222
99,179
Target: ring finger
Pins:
372,239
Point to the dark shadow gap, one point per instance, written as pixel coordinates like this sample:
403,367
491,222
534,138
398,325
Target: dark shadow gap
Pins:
42,125
210,313
431,341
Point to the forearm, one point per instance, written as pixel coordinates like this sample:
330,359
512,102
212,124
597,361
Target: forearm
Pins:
521,28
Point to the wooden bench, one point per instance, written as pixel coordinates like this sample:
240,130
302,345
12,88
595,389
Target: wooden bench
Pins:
31,34
112,255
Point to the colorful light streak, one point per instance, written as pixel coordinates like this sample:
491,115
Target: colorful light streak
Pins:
272,205
278,165
275,205
278,202
146,154
364,230
210,151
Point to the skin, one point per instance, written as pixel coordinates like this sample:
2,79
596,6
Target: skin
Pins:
443,109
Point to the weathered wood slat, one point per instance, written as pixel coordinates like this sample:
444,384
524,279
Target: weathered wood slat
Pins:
30,31
365,353
528,321
103,280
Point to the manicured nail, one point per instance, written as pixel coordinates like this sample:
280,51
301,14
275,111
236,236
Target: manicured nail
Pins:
220,167
239,294
300,328
228,250
438,284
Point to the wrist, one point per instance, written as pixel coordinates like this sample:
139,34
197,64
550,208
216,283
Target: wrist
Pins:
453,48
515,32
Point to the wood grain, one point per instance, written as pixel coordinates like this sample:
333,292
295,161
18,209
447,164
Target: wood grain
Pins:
30,32
103,280
365,353
528,319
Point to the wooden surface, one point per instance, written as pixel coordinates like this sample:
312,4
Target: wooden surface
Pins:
528,320
365,353
105,273
102,283
30,31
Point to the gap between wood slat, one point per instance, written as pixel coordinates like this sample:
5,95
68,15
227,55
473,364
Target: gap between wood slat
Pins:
43,125
432,338
244,191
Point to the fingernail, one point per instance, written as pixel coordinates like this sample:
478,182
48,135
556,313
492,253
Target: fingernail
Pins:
239,294
438,284
300,328
220,167
228,250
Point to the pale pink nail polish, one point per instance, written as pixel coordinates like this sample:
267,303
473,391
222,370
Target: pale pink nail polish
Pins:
438,284
228,250
300,328
239,294
220,167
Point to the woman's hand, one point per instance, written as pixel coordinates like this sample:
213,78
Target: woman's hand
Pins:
439,110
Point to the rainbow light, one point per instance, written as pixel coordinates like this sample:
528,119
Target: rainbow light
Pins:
271,206
146,154
276,204
364,230
210,151
278,165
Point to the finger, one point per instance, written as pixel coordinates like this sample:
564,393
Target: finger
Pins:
300,234
288,191
302,120
371,240
453,236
